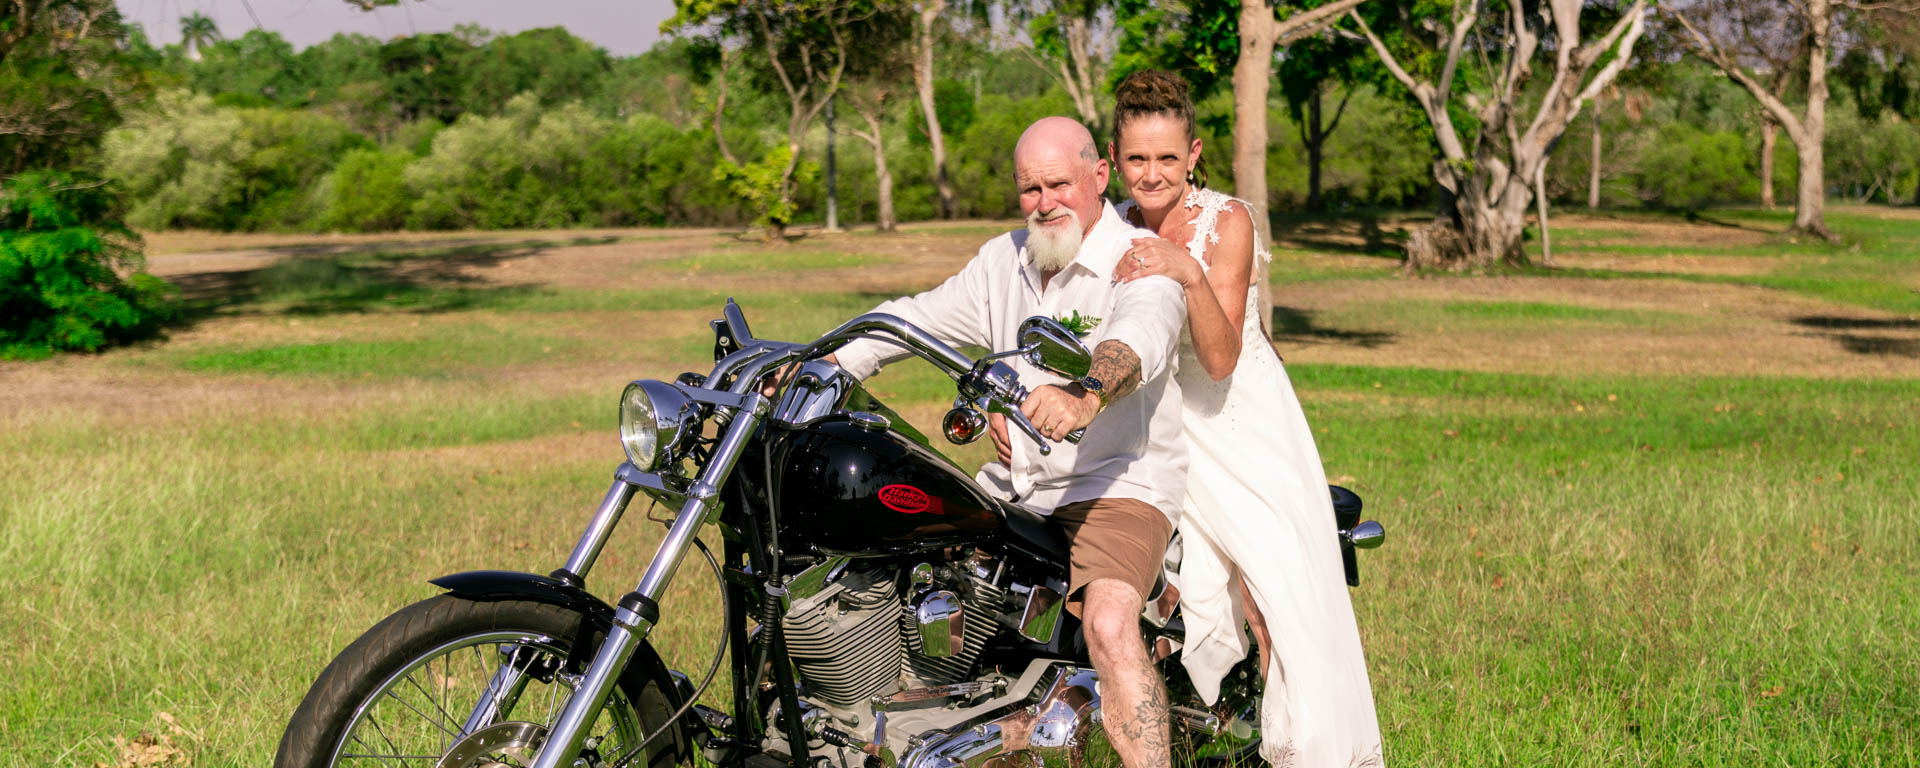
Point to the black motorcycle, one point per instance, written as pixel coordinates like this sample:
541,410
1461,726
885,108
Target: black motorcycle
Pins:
881,609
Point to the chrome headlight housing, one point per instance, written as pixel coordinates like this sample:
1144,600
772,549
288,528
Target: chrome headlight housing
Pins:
654,415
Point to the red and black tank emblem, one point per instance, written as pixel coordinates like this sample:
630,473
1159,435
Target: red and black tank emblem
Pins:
908,500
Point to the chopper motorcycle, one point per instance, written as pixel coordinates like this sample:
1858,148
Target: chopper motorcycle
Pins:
881,610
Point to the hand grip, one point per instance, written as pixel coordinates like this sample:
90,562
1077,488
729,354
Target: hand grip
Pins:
1074,436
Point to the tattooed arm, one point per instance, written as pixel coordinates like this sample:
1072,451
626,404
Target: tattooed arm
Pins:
1058,410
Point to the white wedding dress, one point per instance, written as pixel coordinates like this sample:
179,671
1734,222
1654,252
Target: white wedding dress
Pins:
1257,502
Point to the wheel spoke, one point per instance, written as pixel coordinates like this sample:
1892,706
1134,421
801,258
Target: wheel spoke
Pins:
416,710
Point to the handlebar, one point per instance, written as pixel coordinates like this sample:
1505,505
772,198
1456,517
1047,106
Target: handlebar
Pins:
992,384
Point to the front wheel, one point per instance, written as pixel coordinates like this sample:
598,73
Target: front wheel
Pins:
406,693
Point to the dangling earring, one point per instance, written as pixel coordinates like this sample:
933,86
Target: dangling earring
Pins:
1192,180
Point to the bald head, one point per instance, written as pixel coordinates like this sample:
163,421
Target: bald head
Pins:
1056,165
1050,135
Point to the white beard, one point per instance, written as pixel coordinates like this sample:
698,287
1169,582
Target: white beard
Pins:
1054,247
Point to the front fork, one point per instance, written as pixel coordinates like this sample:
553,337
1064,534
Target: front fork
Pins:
638,611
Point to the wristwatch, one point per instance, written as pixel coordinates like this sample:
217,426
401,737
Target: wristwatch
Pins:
1096,386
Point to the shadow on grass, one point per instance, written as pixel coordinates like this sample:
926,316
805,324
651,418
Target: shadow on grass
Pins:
1884,346
1298,326
1362,234
328,279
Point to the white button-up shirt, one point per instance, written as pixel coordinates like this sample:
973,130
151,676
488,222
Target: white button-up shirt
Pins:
1133,449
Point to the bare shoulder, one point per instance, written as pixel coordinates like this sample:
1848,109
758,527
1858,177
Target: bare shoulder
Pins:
1235,231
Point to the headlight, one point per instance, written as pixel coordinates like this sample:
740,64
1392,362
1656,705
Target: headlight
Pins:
653,416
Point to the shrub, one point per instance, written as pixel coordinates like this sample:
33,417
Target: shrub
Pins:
367,192
1686,167
62,252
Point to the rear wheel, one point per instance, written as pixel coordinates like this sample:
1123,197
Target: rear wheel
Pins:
404,694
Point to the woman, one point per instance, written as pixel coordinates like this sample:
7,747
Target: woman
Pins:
1257,521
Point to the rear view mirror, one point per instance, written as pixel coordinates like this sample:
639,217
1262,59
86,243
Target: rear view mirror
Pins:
1049,346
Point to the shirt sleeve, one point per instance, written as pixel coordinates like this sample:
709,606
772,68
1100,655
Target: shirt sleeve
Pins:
954,312
1147,317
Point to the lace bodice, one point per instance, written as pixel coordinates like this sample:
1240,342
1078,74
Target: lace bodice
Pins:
1202,394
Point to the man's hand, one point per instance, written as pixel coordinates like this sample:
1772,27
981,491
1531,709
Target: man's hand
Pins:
1057,410
1002,446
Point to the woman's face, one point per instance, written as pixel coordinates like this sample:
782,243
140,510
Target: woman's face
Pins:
1154,156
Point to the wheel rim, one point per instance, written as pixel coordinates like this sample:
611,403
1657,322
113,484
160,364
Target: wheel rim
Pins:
418,714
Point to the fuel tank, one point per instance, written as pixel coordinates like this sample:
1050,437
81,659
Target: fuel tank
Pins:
847,485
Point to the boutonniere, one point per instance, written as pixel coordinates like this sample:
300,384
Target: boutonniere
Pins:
1080,324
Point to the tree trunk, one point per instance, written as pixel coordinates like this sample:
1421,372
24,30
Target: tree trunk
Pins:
923,82
1810,202
1769,137
1316,141
1251,79
833,177
871,112
1593,170
885,179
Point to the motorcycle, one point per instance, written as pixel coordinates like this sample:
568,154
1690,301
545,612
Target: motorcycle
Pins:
881,610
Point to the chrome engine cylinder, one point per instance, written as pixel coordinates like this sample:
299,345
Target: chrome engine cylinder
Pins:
845,640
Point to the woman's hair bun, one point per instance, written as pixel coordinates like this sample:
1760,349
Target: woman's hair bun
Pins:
1152,92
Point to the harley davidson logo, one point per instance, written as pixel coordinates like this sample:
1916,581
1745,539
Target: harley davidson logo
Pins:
906,499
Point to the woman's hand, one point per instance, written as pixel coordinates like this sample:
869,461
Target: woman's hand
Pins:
1159,256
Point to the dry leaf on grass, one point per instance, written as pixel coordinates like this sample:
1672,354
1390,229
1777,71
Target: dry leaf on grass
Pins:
144,751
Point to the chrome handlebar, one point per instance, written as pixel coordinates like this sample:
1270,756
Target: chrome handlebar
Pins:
990,384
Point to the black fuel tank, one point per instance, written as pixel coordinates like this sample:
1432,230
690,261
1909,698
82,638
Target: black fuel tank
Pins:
853,490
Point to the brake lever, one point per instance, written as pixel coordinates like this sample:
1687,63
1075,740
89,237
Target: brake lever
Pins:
1018,419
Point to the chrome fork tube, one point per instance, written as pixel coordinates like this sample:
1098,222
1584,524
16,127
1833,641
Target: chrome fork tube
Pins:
599,528
639,611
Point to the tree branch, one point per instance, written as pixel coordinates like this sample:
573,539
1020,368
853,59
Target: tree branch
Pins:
1714,55
1309,22
1386,56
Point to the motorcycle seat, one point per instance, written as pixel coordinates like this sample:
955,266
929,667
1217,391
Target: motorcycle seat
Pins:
1038,534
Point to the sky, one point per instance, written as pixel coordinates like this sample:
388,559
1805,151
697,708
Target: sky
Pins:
623,27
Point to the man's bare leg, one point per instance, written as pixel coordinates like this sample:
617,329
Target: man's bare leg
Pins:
1261,636
1133,701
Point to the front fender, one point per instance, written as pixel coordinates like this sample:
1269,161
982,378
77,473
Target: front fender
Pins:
485,586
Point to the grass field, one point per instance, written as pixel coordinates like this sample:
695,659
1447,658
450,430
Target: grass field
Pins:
1656,505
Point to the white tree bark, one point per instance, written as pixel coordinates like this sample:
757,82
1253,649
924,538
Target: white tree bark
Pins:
924,38
1489,183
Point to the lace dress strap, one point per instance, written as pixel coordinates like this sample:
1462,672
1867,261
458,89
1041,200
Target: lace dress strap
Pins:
1206,228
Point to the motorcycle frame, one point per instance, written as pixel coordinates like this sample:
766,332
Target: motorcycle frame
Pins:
699,503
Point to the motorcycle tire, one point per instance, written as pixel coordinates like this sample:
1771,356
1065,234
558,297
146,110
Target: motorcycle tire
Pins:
370,668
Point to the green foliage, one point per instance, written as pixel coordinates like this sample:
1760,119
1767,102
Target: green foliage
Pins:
190,163
1689,168
1875,158
760,184
367,192
62,254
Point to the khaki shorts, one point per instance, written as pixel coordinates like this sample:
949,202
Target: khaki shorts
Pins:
1124,539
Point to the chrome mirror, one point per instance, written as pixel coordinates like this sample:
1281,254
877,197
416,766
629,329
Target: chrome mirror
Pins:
1368,535
1050,346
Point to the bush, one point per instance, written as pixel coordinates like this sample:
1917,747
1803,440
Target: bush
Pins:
1689,168
61,254
190,163
367,192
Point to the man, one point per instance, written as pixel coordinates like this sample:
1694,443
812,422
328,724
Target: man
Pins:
1115,492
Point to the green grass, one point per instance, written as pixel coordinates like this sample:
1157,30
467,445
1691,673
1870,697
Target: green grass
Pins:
1591,570
772,259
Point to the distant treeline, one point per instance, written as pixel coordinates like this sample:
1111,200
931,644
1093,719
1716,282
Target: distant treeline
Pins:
542,129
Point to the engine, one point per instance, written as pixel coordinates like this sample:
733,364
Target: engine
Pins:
856,631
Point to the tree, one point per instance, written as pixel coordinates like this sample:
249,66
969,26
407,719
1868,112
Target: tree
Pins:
1072,41
1488,177
928,29
197,32
803,46
70,273
1312,67
1733,35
